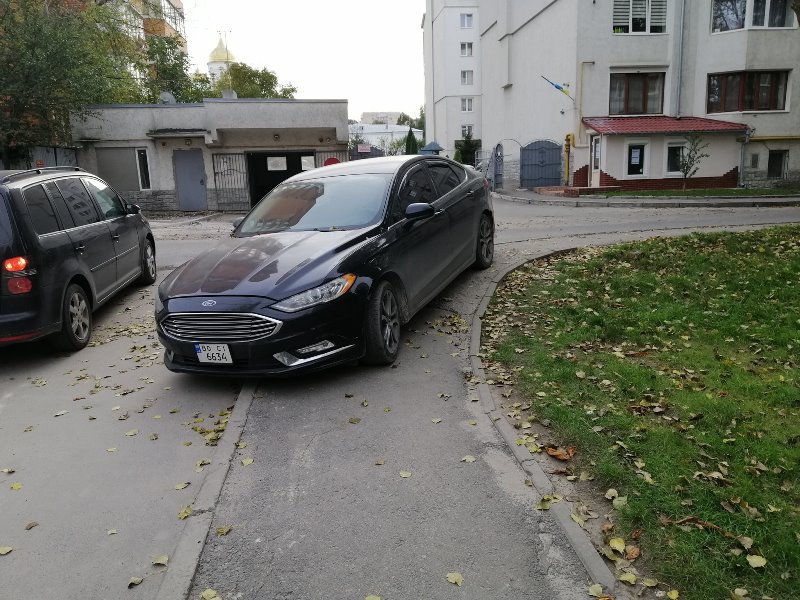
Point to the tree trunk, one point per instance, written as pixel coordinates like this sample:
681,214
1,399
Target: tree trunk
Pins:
796,8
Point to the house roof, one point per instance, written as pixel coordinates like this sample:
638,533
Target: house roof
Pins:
660,125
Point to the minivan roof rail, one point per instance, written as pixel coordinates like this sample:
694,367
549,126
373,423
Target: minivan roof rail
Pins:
38,171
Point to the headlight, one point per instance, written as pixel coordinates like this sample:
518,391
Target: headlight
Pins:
323,293
158,305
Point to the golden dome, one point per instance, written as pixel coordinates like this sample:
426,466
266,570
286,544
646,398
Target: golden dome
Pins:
221,54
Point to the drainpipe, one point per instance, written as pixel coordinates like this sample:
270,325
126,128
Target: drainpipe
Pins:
679,76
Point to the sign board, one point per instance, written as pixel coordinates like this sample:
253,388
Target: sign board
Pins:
331,161
364,148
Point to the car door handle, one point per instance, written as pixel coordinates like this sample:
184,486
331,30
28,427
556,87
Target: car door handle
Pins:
115,237
438,212
80,247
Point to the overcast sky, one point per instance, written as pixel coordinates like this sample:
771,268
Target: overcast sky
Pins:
366,51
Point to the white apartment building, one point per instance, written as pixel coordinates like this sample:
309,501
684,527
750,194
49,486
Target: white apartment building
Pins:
636,77
451,34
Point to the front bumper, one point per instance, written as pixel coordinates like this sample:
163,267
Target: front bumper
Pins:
339,322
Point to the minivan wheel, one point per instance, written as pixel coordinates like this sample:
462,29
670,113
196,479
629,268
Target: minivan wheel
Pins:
383,326
149,270
484,250
76,320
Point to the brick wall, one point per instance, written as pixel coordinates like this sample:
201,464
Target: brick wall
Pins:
581,177
728,180
153,200
758,179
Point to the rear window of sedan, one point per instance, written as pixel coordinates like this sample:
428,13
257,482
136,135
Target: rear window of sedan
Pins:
325,204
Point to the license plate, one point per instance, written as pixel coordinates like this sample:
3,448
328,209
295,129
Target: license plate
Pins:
213,353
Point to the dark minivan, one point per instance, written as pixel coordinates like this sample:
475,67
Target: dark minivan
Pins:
68,243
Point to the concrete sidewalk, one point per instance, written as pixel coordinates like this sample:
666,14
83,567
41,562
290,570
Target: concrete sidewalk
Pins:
530,197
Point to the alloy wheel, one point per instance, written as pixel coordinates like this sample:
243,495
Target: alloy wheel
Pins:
486,240
79,316
390,321
150,260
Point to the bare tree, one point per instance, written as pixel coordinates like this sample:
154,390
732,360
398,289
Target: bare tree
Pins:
691,156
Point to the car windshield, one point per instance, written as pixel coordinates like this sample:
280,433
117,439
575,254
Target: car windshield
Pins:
325,204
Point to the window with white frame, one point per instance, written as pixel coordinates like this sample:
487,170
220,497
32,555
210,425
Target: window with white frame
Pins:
466,77
640,16
675,152
730,15
466,105
466,48
636,159
466,20
466,130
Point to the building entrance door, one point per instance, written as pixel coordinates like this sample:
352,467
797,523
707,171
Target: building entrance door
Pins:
268,169
594,161
190,179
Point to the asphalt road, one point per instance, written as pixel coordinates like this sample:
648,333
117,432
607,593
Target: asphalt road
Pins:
313,516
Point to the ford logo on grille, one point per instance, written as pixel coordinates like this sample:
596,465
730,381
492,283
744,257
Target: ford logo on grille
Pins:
210,303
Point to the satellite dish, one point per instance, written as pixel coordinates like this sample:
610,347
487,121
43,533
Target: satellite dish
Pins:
166,98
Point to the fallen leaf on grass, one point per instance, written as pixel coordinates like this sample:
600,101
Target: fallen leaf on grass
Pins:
739,594
620,502
746,542
5,550
673,594
456,578
405,474
611,494
756,561
561,454
225,530
247,461
134,582
161,561
617,544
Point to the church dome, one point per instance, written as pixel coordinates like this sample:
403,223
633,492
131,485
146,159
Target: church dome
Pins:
221,54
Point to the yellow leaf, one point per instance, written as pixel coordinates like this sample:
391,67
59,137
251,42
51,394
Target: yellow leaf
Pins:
16,486
617,544
620,502
372,597
627,578
132,432
673,594
405,474
185,512
468,459
247,461
611,494
5,550
596,590
436,421
649,582
111,449
161,561
111,532
210,594
354,420
473,422
756,561
739,594
134,582
225,530
241,445
182,486
578,520
456,578
380,462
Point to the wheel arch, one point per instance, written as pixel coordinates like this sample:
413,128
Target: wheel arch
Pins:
402,296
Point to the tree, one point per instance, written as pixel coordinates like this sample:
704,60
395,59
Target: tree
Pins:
468,147
167,70
420,122
355,140
691,156
253,83
412,147
58,58
405,119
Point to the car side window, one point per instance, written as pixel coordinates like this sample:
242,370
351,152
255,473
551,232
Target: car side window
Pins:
41,211
78,201
110,205
416,187
444,177
57,200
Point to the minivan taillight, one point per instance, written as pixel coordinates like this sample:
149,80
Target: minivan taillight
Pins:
20,285
16,264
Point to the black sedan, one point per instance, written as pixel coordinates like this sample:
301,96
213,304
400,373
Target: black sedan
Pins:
326,268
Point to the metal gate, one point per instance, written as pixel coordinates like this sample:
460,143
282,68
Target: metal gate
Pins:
231,183
540,164
494,173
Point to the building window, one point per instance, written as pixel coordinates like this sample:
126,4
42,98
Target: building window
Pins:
466,48
675,153
754,161
466,77
636,94
772,13
776,167
728,15
466,105
640,16
144,169
466,130
466,20
636,158
747,90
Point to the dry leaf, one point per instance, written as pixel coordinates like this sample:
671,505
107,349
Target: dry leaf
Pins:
561,454
629,578
756,561
473,422
436,421
132,432
225,530
596,590
456,578
380,462
372,597
5,550
210,594
405,474
31,525
611,494
61,413
16,486
182,486
632,552
111,532
546,501
241,445
469,459
161,561
354,420
617,544
185,512
673,594
647,582
578,520
134,582
247,461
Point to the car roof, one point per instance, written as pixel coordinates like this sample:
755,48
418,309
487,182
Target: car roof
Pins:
383,165
10,177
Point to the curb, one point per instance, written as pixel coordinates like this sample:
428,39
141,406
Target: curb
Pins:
183,563
665,202
595,566
189,221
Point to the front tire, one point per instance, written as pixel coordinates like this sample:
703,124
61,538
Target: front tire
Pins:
76,320
149,269
484,249
383,326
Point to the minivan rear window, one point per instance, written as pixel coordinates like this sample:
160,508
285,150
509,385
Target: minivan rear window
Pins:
42,214
6,233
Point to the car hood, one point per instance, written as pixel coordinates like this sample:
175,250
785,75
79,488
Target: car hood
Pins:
273,266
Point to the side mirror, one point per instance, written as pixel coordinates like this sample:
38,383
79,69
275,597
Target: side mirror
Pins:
134,209
419,210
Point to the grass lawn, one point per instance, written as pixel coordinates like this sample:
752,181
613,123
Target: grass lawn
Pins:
713,192
673,366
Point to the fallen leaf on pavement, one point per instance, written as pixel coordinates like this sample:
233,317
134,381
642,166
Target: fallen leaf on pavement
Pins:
161,561
247,461
182,486
436,421
61,413
629,578
16,486
546,501
456,578
354,420
132,432
380,462
31,525
185,512
225,530
405,474
596,590
134,582
111,532
372,597
469,459
620,502
210,594
153,437
5,550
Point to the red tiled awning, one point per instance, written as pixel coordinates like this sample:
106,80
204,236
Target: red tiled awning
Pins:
660,125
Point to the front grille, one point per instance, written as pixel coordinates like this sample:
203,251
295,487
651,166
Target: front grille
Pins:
220,328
